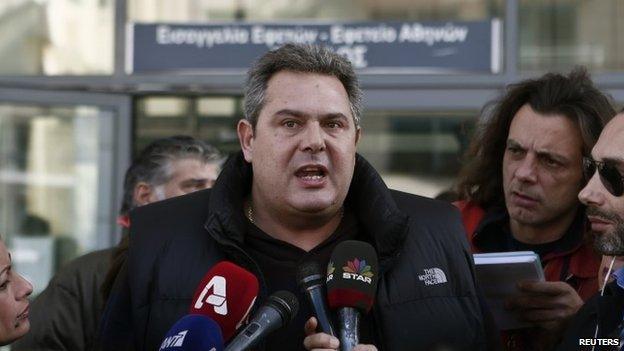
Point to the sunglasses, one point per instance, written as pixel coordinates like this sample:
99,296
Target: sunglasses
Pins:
612,180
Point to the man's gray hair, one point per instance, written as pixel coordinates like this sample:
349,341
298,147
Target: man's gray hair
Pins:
154,164
301,59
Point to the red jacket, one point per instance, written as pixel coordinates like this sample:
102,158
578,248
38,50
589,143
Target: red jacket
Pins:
582,265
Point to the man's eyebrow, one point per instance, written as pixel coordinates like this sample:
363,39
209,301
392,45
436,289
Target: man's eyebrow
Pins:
541,153
336,115
553,155
289,112
301,114
511,142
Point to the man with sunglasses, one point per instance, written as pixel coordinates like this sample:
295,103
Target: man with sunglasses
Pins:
599,322
519,193
609,263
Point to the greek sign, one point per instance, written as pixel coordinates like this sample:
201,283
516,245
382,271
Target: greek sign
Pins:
372,47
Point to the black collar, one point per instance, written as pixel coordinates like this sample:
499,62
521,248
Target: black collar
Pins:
382,223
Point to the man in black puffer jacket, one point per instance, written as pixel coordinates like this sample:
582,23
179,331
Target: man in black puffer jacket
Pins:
296,190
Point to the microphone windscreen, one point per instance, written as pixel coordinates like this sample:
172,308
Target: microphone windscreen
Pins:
193,332
285,303
226,294
275,313
352,275
309,274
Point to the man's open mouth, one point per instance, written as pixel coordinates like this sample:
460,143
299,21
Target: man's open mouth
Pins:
311,173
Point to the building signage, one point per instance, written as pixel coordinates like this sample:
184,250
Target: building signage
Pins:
372,47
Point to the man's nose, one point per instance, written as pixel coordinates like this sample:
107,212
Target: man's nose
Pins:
313,138
593,192
527,171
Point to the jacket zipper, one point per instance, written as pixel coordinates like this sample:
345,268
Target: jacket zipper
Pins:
228,243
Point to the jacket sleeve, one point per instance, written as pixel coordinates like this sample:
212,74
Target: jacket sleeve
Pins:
116,331
491,340
492,333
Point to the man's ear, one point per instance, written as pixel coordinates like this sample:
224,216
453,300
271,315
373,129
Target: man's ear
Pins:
358,135
142,194
245,137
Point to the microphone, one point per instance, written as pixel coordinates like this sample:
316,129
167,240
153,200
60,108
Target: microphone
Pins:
311,282
352,275
193,332
279,310
226,294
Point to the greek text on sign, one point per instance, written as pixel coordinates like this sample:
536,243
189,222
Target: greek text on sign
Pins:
384,47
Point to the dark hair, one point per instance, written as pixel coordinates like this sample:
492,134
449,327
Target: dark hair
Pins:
573,96
303,59
153,164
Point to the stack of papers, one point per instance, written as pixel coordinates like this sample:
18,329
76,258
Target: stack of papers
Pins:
498,274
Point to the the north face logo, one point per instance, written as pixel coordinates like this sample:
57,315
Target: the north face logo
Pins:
433,276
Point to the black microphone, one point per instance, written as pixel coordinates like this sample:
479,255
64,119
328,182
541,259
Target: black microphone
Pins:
312,282
278,311
352,275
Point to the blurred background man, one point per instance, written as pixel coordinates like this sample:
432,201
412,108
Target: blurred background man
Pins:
519,194
66,314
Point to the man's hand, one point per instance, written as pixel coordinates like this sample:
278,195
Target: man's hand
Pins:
548,305
318,341
324,342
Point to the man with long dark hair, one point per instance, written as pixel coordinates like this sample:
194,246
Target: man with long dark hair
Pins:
519,190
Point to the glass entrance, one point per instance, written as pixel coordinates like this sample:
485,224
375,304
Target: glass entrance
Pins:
60,157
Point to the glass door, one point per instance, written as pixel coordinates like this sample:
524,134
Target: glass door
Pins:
62,158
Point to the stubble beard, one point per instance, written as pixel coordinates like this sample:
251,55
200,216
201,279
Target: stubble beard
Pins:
610,243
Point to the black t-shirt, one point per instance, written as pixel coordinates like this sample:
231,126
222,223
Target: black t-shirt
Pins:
496,222
279,262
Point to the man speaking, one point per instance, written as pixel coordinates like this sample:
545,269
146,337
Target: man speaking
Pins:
296,190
